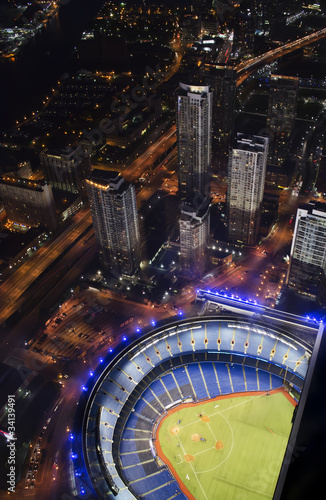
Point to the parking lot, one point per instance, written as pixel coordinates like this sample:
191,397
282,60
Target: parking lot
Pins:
87,323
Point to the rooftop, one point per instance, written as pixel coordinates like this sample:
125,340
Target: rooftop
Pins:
253,143
107,179
315,208
203,90
22,183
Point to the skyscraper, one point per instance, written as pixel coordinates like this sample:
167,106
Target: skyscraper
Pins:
282,106
222,81
194,137
194,235
115,219
308,252
66,169
246,179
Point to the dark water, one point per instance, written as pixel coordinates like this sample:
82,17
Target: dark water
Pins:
24,83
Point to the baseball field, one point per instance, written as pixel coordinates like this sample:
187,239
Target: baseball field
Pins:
231,447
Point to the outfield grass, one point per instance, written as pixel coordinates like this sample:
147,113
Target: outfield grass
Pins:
245,441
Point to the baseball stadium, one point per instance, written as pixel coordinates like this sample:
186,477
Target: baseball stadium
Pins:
199,408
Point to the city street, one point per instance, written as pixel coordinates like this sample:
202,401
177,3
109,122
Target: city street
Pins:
146,160
13,288
246,68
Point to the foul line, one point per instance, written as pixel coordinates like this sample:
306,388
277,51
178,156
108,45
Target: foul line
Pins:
193,470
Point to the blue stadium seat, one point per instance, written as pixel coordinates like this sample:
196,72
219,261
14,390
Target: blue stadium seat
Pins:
141,362
198,335
135,457
127,446
141,407
251,378
160,392
223,377
132,420
149,483
276,381
150,352
131,369
264,381
197,381
122,379
171,387
210,378
106,431
152,401
236,373
183,382
166,491
133,472
173,343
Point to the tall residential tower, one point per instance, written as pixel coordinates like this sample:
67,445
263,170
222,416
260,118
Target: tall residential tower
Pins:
194,137
246,180
308,252
115,219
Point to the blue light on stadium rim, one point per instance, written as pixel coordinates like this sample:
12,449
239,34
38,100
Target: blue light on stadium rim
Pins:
313,318
233,297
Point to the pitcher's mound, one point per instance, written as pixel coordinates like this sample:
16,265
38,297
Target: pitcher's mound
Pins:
189,458
195,437
174,429
204,418
218,445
